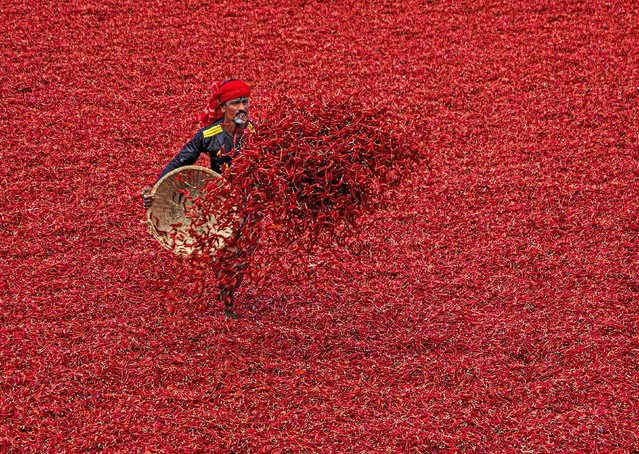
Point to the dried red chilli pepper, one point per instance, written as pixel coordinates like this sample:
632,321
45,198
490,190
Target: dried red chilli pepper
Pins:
308,177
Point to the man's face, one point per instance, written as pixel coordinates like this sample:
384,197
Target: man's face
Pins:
235,107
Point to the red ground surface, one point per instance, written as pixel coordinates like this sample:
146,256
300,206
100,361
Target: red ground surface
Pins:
493,306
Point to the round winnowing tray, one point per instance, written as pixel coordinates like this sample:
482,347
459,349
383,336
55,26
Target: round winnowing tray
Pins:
166,219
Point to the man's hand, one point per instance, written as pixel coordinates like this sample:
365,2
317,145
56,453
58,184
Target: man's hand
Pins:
147,198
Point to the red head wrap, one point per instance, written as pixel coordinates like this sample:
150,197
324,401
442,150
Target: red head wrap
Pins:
223,92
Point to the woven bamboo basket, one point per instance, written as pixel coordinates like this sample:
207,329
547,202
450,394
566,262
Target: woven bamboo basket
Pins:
166,220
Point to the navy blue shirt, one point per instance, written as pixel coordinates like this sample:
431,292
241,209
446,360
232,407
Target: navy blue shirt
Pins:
214,140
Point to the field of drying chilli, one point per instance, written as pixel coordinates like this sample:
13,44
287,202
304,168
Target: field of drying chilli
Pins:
474,281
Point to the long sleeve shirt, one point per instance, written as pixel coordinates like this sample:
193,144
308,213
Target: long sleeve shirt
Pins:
214,140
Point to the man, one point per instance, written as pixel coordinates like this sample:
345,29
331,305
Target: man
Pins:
224,123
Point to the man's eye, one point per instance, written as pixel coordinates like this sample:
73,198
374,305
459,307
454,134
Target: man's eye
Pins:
235,102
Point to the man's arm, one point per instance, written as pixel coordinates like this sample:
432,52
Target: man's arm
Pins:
187,155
